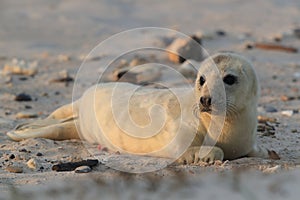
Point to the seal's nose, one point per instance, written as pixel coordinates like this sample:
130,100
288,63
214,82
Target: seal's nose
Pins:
205,101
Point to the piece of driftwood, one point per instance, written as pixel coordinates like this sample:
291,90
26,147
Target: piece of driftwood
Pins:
272,47
71,166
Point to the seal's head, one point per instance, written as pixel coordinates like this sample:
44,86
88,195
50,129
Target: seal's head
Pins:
226,82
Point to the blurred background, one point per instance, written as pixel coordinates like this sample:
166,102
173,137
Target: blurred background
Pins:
76,26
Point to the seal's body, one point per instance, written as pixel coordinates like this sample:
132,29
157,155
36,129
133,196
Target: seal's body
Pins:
163,122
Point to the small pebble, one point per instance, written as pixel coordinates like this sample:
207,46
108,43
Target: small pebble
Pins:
287,113
290,98
23,78
269,133
263,119
28,107
31,163
83,169
12,156
63,77
26,115
20,67
63,58
248,46
45,94
23,150
270,109
297,32
220,33
284,98
7,112
261,128
294,130
271,125
39,154
14,169
277,38
23,97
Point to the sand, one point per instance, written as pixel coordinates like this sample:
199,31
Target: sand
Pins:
58,34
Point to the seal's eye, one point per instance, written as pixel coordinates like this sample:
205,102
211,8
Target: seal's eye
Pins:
202,80
230,79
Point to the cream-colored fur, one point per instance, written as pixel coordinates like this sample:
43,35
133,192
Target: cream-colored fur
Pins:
163,122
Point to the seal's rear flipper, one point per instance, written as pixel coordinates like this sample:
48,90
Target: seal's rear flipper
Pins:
60,125
48,128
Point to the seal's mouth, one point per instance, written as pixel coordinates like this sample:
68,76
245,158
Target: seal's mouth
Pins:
206,109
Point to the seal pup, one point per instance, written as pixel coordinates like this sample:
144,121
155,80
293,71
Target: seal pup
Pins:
224,126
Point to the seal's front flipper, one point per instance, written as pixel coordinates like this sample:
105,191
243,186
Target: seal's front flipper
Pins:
197,154
56,129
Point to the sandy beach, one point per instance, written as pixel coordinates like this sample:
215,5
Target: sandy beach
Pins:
49,40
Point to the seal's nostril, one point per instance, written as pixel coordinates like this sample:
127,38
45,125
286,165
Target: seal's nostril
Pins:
202,100
208,100
205,101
